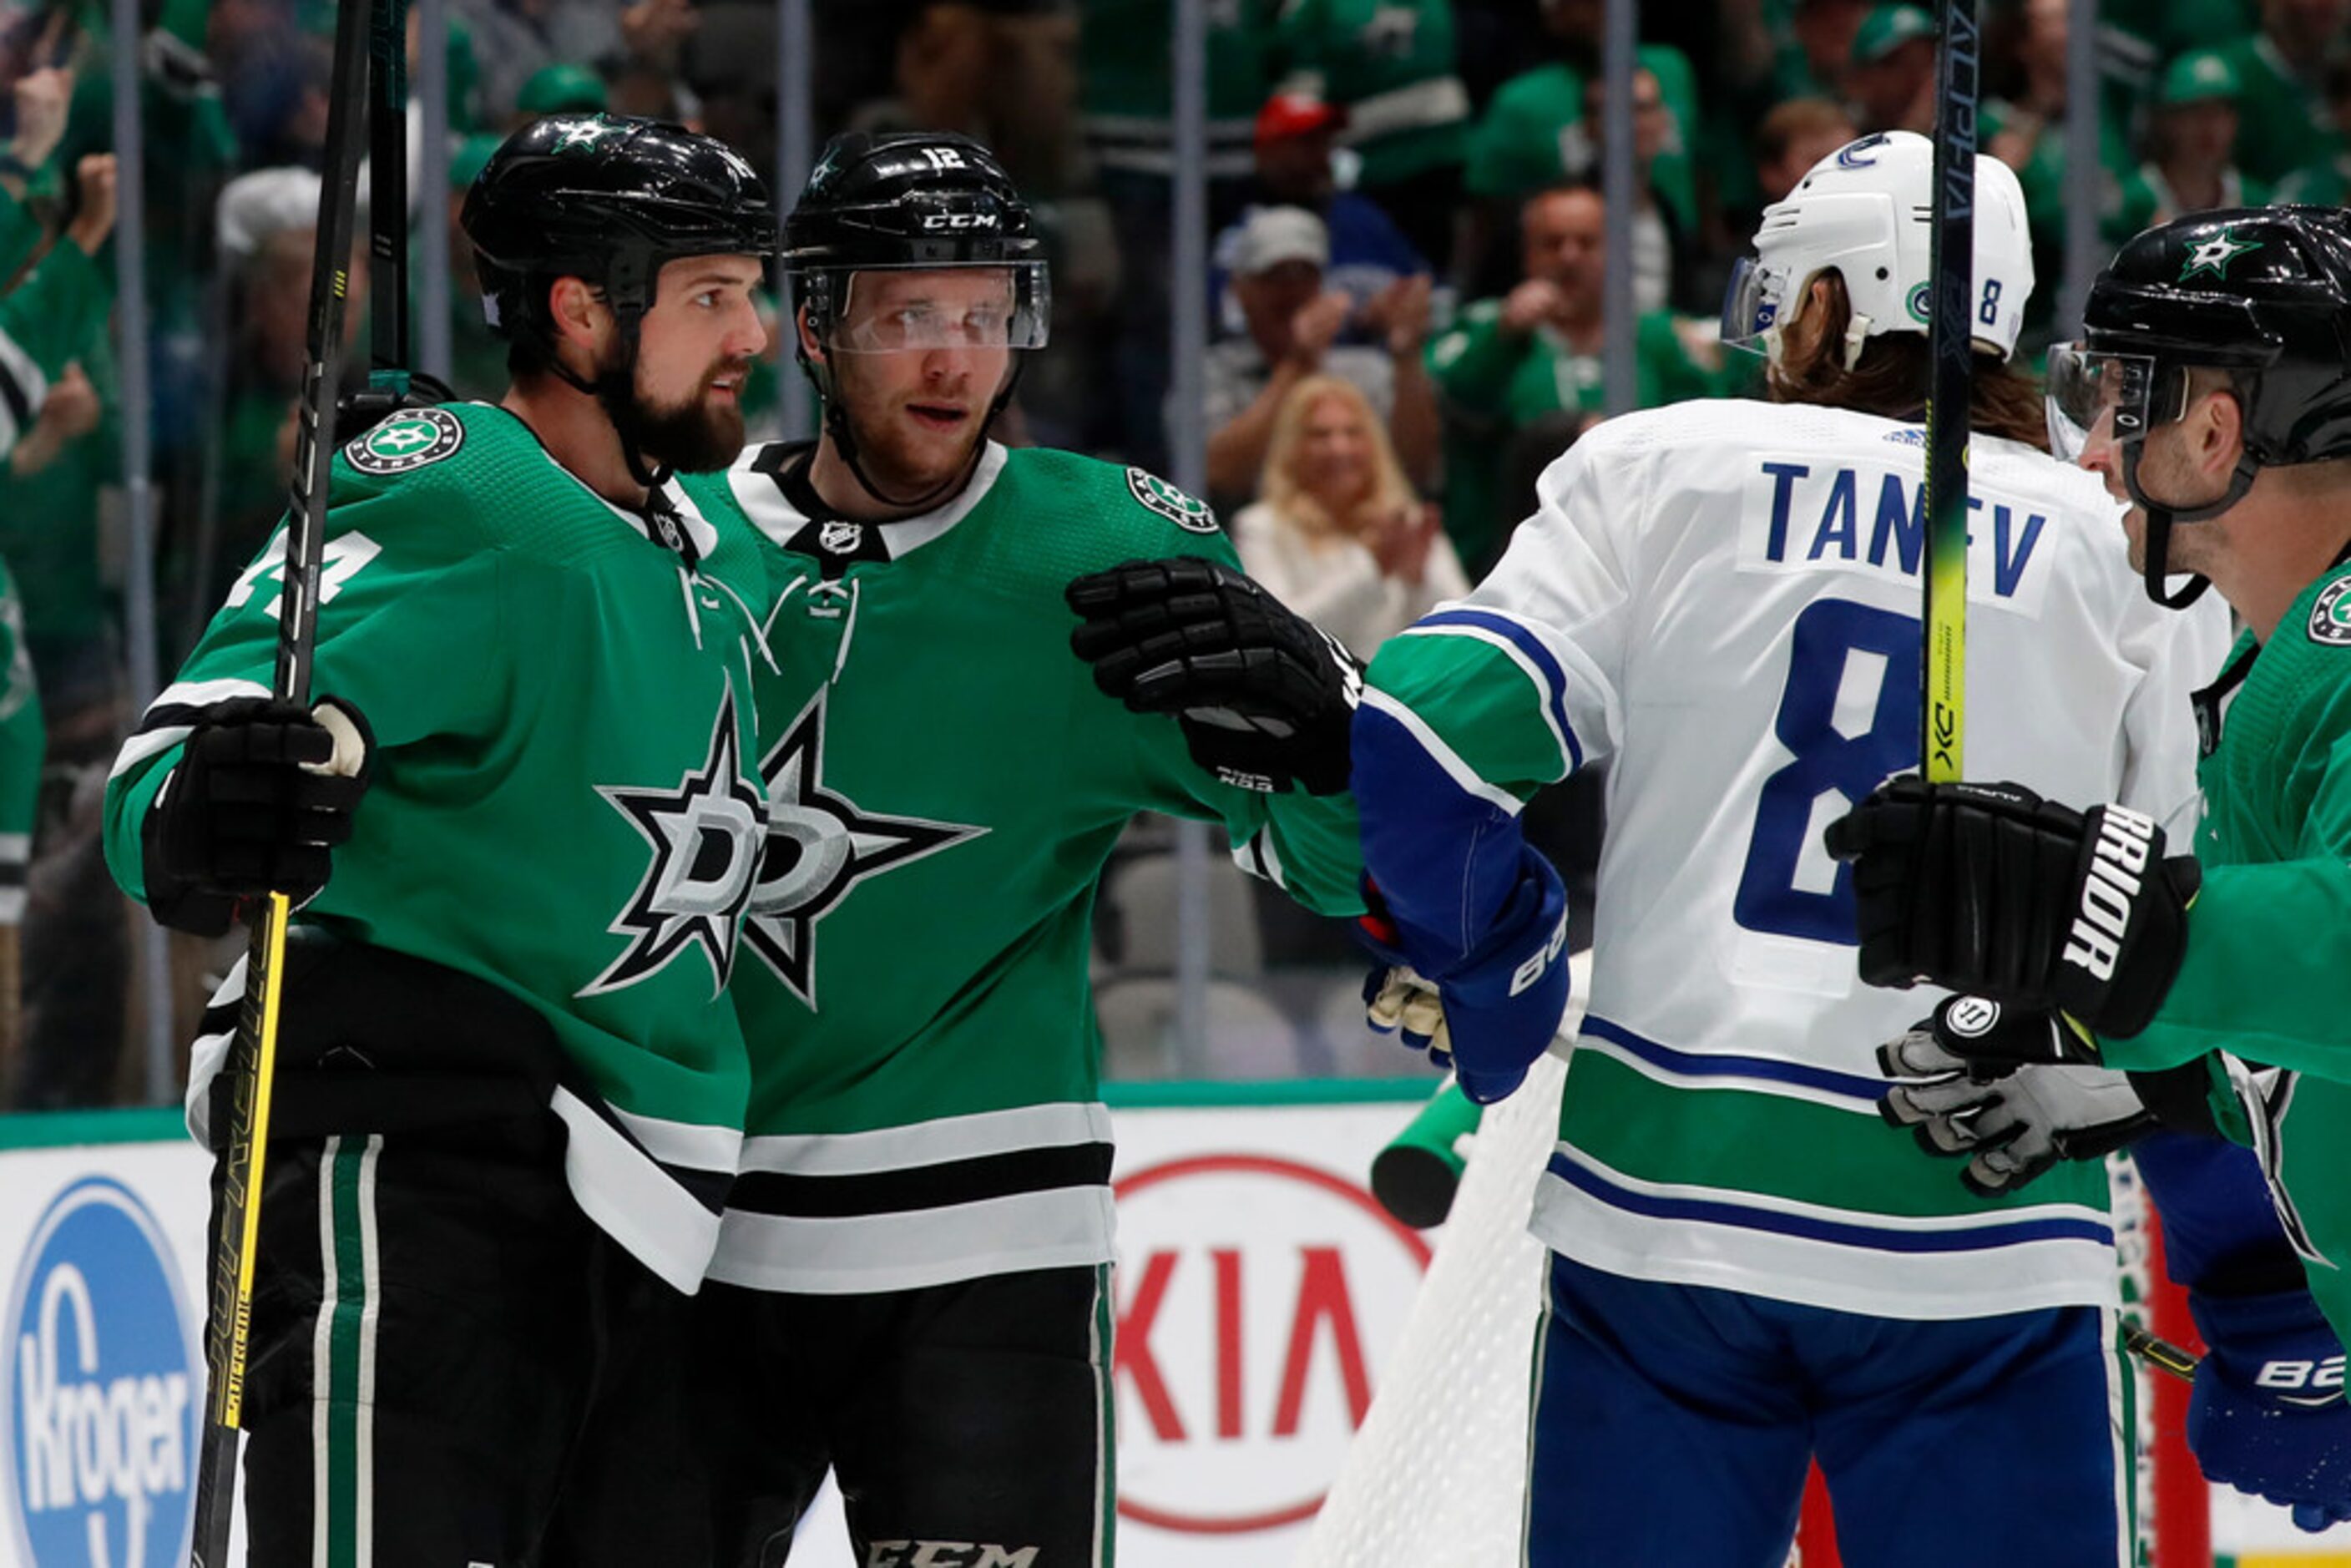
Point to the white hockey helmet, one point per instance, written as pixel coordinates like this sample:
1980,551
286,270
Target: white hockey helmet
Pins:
1867,211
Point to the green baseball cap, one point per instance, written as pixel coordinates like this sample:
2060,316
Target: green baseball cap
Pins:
563,90
1887,28
2199,74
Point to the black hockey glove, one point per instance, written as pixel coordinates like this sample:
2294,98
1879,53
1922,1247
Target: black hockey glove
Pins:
1263,695
2003,1087
263,792
1988,889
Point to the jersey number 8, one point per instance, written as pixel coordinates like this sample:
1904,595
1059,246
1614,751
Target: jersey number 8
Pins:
1788,811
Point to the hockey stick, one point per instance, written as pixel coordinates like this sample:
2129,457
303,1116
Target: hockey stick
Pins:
252,1053
2160,1354
1950,353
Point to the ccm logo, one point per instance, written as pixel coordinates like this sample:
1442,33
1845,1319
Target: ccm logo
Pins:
1528,973
2116,865
960,220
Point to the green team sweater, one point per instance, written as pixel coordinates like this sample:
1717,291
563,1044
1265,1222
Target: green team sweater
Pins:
2265,980
945,784
566,800
22,742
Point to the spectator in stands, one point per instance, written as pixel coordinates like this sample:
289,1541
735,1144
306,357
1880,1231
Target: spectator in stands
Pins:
561,87
2326,180
1540,131
1792,138
1392,68
1662,247
2191,145
57,675
635,48
1892,78
1526,368
1824,31
1296,140
2283,117
1294,324
1338,534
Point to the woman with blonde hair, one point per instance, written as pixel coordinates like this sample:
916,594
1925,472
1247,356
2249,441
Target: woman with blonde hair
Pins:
1337,533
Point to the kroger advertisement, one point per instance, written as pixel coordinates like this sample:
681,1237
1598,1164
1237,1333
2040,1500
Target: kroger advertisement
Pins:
1261,1291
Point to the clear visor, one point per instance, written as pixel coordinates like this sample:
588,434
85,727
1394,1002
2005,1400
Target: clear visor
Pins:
1750,305
2098,396
916,309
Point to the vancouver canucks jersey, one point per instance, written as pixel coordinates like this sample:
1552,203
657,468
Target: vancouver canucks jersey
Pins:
565,800
945,783
1720,602
2263,985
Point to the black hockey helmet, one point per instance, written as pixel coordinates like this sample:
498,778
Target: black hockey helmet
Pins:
912,201
608,199
2262,294
920,200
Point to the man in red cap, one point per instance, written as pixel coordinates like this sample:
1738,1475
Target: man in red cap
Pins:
1300,164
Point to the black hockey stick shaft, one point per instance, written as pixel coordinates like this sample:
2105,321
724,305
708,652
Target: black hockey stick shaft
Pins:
388,191
248,1069
2160,1354
1950,336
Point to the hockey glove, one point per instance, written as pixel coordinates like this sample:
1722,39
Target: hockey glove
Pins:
2267,1414
2008,1107
1263,695
1495,1011
1988,888
263,793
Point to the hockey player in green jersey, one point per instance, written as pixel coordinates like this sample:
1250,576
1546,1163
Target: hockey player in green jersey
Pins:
2212,388
510,1093
912,1283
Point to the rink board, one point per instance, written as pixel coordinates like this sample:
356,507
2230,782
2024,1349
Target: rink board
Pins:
1260,1290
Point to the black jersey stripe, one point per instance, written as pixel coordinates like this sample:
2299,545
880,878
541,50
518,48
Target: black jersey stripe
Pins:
801,1196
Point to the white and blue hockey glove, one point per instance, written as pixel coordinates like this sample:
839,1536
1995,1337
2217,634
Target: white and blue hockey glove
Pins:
1496,1008
1961,1091
2267,1414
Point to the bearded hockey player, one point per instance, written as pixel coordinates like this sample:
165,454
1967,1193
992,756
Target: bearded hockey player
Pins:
912,1284
508,1095
2210,389
1718,603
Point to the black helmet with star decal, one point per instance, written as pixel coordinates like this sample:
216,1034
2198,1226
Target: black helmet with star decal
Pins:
2262,295
607,198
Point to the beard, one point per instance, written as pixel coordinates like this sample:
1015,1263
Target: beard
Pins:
694,435
903,467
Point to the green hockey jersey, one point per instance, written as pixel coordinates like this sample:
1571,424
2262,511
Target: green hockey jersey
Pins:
565,799
2263,989
945,785
23,743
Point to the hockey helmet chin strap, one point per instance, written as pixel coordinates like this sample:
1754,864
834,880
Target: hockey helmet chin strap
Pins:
2159,518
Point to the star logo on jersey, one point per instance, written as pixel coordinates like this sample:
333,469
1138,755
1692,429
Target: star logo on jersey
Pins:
407,440
2330,616
706,840
820,845
2214,255
1159,496
584,133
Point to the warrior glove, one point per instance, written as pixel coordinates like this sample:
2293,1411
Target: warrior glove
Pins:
1263,695
2003,1087
1988,889
263,793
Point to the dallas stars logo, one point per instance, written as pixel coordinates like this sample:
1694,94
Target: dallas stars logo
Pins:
584,133
820,847
2214,255
705,836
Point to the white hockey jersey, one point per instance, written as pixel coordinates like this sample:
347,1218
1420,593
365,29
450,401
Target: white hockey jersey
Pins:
1720,602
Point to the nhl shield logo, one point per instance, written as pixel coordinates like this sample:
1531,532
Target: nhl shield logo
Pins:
2330,617
409,439
1170,503
840,538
